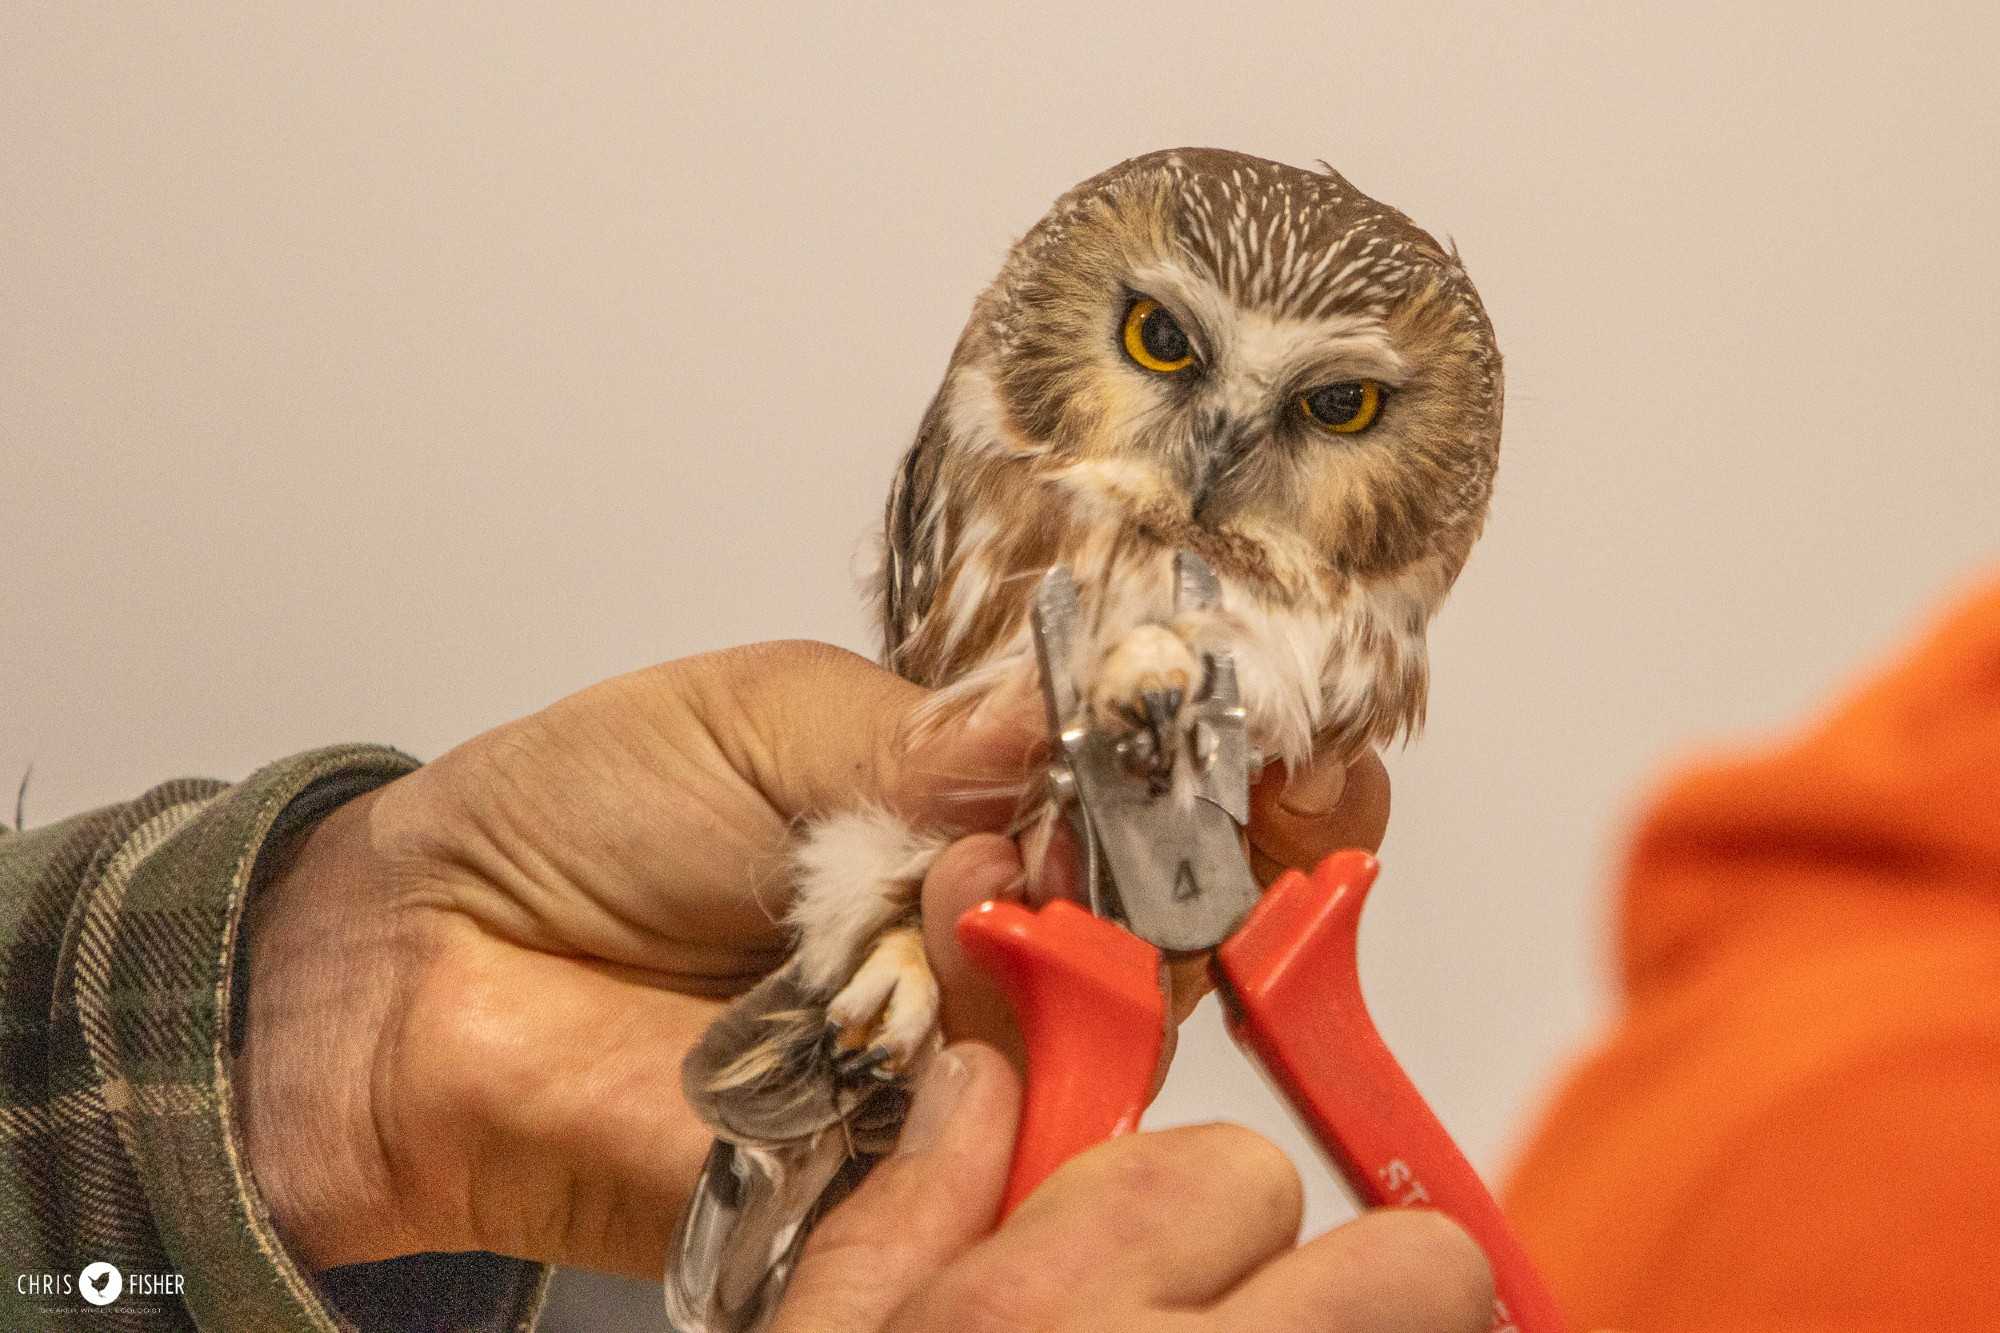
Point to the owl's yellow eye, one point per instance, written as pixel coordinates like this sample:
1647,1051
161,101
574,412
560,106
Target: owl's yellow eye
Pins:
1346,408
1154,340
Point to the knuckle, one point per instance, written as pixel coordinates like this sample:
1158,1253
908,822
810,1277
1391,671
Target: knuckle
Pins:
785,655
1253,1170
1444,1270
751,669
1465,1281
1160,1175
889,746
823,674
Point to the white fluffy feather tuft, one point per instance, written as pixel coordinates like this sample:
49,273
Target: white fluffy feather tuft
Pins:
856,873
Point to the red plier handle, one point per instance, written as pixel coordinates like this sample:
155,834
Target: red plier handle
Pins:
1088,997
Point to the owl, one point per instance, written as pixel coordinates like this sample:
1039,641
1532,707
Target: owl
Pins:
1195,350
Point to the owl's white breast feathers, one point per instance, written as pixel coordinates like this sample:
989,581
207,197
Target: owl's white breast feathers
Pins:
1306,670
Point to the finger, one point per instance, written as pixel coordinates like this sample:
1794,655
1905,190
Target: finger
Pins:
1153,1202
1160,1220
971,871
1298,820
1392,1271
985,867
919,1209
1188,981
810,725
1061,875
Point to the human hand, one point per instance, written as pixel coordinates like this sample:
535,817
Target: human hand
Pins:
1187,1229
528,933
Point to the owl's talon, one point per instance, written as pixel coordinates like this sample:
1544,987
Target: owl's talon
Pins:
1144,687
869,1061
873,1062
1206,690
1162,709
882,1018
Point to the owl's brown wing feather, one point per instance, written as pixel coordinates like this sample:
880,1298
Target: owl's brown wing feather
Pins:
912,531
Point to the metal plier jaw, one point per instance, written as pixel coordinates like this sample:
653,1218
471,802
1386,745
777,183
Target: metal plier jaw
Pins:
1167,864
1167,873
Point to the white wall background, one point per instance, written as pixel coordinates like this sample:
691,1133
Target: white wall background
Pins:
383,372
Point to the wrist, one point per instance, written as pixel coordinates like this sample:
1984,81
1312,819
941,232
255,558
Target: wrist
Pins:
323,986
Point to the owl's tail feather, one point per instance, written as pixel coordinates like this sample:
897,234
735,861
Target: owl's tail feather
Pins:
744,1228
794,1136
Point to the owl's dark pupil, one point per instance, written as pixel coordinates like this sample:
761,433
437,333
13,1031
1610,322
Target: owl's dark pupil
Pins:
1337,404
1161,337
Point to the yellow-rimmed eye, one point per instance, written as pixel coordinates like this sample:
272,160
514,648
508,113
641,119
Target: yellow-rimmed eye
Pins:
1154,340
1346,407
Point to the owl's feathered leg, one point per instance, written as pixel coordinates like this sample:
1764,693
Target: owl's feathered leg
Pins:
859,877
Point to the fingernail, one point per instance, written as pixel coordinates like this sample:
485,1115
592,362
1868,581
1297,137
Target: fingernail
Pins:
1315,791
939,1092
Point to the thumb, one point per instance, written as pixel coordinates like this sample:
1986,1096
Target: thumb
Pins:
921,1208
813,727
819,729
1300,818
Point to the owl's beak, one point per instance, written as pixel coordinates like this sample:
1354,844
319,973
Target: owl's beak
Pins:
1219,452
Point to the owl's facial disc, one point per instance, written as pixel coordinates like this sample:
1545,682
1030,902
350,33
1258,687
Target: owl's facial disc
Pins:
1229,404
1243,358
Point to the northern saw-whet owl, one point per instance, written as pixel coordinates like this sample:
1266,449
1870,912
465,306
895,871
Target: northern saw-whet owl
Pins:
1195,350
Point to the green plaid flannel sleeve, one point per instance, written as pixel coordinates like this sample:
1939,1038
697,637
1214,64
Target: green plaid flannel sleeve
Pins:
121,985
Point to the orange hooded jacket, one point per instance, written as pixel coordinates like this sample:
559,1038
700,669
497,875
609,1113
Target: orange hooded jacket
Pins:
1796,1121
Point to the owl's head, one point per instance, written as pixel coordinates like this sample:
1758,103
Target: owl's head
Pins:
1247,359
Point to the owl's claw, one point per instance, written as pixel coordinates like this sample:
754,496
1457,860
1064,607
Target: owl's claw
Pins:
872,1062
1144,687
1161,710
881,1019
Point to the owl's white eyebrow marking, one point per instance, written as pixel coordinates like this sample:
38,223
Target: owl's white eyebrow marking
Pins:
1278,350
